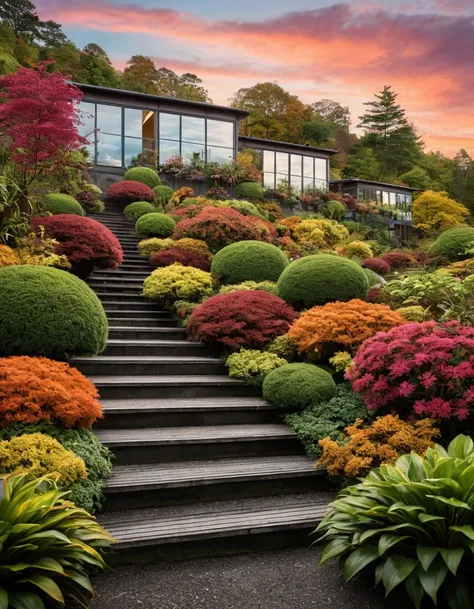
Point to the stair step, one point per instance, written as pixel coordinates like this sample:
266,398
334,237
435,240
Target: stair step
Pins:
117,332
168,444
130,304
145,322
118,277
153,347
148,365
121,274
118,296
151,314
109,286
159,484
219,527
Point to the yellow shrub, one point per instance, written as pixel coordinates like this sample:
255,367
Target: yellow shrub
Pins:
437,211
147,247
415,313
360,249
177,282
37,455
193,245
324,233
383,441
341,361
8,257
461,269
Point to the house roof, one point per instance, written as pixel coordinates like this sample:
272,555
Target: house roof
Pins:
373,183
299,147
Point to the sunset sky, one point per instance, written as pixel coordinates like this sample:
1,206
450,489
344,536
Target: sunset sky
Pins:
320,49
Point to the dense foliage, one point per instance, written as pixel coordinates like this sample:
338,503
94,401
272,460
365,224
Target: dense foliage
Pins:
145,175
316,280
378,265
45,311
249,261
252,365
298,386
62,204
355,249
249,190
154,225
163,194
182,256
133,211
455,244
324,234
399,260
129,191
266,286
8,257
147,247
243,319
177,282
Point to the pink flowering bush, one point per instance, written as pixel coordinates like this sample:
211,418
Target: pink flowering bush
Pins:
424,369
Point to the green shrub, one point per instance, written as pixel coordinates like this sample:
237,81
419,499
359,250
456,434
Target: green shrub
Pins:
252,365
373,278
298,386
265,286
411,524
327,419
249,190
145,175
155,225
246,208
136,210
49,546
163,194
316,280
177,282
249,261
334,210
62,204
45,311
283,346
87,494
454,244
96,208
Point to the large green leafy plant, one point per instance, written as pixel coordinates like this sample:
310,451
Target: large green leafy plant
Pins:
413,523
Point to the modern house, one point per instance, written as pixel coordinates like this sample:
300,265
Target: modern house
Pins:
121,124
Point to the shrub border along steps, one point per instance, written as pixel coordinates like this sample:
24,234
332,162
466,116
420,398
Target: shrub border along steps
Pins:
185,434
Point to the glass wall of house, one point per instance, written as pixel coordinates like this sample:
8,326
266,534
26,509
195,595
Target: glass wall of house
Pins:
301,173
118,133
401,202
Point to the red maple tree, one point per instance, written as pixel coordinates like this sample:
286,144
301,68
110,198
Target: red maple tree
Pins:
39,116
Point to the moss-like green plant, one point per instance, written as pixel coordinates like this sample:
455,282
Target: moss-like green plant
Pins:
155,225
62,204
252,365
249,190
163,194
145,175
136,210
177,282
249,261
298,386
415,313
316,280
455,243
46,311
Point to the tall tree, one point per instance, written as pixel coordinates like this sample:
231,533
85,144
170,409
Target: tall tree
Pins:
362,163
333,112
462,179
140,75
21,17
51,34
98,67
189,86
95,50
384,116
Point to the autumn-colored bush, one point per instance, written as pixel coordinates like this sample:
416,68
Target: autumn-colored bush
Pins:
369,446
374,295
34,389
378,265
326,234
58,203
291,221
184,257
346,324
8,257
315,280
184,213
218,227
357,249
147,247
180,195
136,210
177,282
399,260
129,191
249,319
145,175
194,245
37,455
85,242
249,261
461,269
424,369
154,225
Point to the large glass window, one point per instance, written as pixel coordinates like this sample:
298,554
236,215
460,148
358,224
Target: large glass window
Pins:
220,133
321,172
193,130
87,127
293,170
109,149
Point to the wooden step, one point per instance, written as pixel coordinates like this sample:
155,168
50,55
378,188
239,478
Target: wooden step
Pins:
158,484
117,332
153,347
142,322
150,314
167,444
130,304
157,365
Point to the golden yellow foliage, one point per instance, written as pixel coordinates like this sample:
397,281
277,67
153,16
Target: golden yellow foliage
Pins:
433,211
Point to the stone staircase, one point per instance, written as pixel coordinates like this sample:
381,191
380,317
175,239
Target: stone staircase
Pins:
202,463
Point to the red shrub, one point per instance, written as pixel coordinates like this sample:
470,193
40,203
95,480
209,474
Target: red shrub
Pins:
374,295
426,369
85,242
129,191
184,257
182,213
399,260
250,319
379,266
221,226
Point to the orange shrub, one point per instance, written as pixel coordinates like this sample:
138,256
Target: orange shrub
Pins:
34,389
342,323
291,221
8,257
383,441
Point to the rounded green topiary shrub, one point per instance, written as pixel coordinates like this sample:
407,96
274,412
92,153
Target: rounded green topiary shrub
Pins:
145,175
249,190
316,280
373,278
455,244
163,193
298,386
62,204
136,210
46,311
155,225
249,261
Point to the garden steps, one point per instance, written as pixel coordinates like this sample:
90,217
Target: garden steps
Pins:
203,464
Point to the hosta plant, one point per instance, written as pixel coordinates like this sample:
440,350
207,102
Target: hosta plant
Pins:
412,523
49,546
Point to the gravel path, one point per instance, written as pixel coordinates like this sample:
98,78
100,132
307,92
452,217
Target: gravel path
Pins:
267,580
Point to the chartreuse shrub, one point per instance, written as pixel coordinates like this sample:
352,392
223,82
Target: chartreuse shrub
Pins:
8,257
45,311
357,249
325,234
147,247
49,546
62,204
415,313
136,210
36,455
412,524
454,244
252,365
249,261
327,419
266,286
154,225
249,190
163,194
87,493
246,208
194,245
145,175
177,282
316,280
298,386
